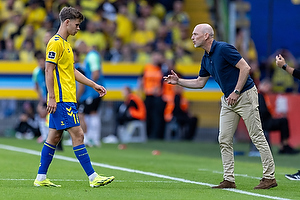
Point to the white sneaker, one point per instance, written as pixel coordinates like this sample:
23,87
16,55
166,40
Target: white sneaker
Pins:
29,135
293,177
110,139
19,135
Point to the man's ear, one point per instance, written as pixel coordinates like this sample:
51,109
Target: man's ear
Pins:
67,21
206,36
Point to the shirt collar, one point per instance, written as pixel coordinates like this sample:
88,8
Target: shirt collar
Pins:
212,48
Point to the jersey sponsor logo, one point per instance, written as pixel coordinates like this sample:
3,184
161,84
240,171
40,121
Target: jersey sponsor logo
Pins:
51,55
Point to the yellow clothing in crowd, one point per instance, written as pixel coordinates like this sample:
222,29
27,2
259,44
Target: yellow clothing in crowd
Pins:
141,38
96,39
124,28
35,17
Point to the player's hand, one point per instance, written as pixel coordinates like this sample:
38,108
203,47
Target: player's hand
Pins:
171,78
51,106
100,89
232,99
280,60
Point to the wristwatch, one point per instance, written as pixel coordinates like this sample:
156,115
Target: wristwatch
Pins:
237,92
284,66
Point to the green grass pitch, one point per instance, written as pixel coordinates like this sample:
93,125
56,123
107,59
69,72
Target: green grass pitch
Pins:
183,170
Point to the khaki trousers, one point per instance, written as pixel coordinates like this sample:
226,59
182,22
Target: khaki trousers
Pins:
247,108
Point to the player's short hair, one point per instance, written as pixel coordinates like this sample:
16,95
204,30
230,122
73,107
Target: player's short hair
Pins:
70,13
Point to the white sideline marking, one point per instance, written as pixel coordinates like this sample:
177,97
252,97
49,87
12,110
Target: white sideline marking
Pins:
33,152
242,175
73,180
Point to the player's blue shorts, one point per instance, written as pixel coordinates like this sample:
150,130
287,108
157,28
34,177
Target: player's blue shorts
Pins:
65,116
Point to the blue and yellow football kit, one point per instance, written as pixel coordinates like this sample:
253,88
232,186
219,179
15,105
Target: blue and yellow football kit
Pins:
59,52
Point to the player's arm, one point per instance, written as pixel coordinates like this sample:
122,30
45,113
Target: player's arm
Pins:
81,87
51,107
80,90
95,75
197,83
84,80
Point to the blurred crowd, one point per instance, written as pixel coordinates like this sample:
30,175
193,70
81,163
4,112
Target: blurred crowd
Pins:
117,31
121,30
154,33
281,81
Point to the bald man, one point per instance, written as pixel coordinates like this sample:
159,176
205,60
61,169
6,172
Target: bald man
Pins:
224,63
